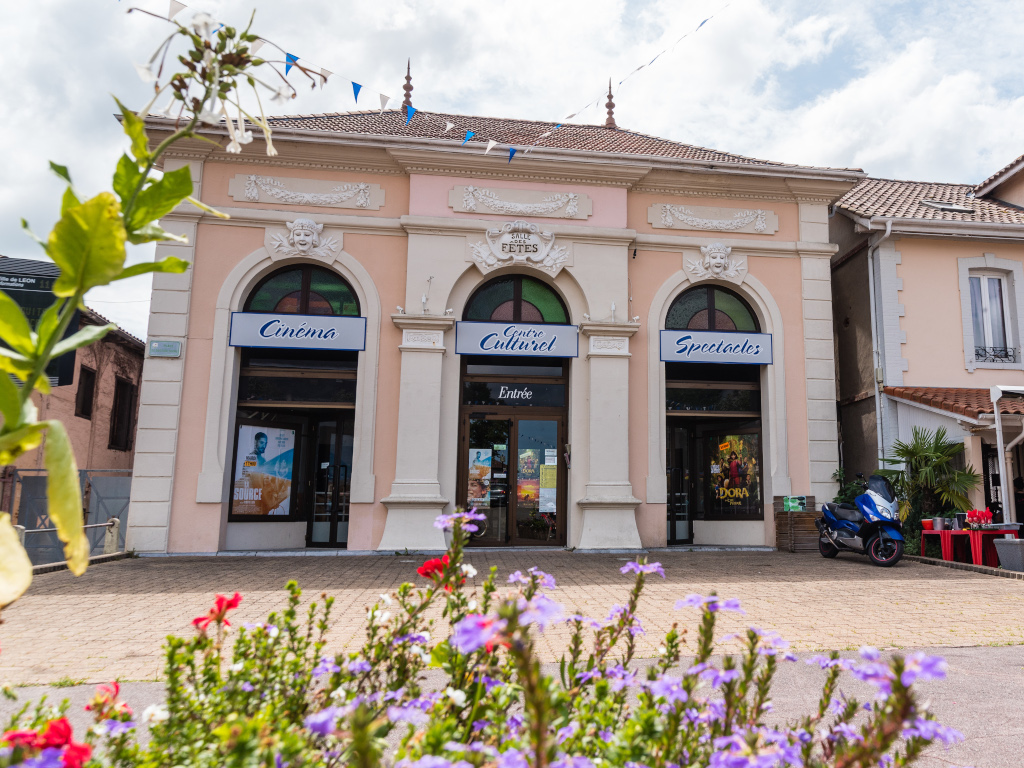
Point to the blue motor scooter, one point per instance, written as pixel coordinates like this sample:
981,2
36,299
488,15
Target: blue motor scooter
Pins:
870,526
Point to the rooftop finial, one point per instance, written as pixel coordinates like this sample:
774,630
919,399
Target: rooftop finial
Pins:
610,122
407,102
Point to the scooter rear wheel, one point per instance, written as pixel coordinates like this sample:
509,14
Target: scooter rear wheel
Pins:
827,548
885,556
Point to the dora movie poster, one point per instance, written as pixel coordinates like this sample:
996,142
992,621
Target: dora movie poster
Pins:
735,486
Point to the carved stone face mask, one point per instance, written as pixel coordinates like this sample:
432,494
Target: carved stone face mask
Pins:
302,239
717,262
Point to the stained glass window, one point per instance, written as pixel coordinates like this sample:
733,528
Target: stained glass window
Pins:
708,308
516,299
305,290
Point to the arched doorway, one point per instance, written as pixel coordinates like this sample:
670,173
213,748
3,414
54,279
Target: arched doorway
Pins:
515,345
300,333
713,434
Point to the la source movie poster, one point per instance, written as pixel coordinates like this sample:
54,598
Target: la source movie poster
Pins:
263,470
734,474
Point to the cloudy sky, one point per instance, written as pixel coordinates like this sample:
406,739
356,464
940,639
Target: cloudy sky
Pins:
910,89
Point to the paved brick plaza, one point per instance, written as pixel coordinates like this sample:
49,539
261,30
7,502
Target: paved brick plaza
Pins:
111,622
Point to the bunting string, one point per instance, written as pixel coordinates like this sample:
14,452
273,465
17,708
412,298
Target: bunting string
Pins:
465,128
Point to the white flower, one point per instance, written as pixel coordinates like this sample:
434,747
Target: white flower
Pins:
273,631
417,650
209,117
385,599
458,697
283,94
468,569
471,605
339,693
155,713
237,667
203,24
146,73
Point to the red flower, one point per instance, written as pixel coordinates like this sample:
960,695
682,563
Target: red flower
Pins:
76,755
219,612
432,567
57,734
23,739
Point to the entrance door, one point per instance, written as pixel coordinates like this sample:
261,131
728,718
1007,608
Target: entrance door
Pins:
332,473
682,484
515,474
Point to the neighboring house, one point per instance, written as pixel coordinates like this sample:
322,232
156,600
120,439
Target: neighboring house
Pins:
928,295
99,405
613,340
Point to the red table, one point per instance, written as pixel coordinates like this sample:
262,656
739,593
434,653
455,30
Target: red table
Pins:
983,550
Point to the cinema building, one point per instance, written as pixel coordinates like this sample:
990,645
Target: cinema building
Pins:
612,341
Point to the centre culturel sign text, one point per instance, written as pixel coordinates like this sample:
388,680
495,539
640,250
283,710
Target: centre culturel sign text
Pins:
525,339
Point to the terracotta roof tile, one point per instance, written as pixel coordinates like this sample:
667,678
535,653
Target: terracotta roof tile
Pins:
998,174
887,198
966,402
518,133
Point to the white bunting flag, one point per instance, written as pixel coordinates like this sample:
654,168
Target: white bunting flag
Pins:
256,46
490,145
448,126
175,9
324,74
384,102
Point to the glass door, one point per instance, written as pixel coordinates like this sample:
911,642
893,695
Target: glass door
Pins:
681,474
537,481
332,472
487,475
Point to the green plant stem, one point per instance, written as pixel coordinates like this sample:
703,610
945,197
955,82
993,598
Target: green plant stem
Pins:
162,147
43,359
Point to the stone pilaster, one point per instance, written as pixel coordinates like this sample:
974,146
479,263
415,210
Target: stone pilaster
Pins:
415,498
609,507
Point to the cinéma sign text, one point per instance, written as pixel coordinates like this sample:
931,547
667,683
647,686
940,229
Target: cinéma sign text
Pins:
258,329
716,347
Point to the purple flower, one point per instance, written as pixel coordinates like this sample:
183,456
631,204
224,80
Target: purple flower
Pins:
357,666
407,714
668,688
720,677
322,723
567,732
118,727
876,673
431,761
619,677
573,762
247,686
325,667
489,683
868,653
546,580
475,631
712,603
845,731
516,577
606,735
513,758
48,758
412,637
920,666
541,610
826,663
692,600
479,725
394,695
932,731
447,522
643,568
280,762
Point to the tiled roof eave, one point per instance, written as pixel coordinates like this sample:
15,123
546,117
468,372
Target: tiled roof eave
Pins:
970,404
999,177
935,227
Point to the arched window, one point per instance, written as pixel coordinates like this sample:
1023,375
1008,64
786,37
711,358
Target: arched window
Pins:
305,290
516,299
710,308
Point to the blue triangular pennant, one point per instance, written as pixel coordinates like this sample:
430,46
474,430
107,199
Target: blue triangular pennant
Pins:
469,135
356,88
409,112
704,22
511,153
290,60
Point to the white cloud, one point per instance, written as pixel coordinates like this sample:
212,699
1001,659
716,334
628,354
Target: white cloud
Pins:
904,89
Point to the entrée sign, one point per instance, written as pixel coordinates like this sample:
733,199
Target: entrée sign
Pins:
519,339
259,329
716,347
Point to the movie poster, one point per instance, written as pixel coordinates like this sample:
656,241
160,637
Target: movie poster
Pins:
528,480
734,473
263,470
479,477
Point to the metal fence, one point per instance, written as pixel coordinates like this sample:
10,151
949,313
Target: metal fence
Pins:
105,495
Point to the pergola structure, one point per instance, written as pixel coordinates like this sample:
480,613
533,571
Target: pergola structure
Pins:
998,393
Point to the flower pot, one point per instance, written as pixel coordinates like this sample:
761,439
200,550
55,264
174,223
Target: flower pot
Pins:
961,520
1011,553
939,524
927,524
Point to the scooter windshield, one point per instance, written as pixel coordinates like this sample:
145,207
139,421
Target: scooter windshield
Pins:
882,487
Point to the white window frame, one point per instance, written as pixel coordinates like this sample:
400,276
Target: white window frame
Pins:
1012,274
986,310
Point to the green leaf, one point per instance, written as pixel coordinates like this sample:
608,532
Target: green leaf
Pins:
126,178
64,497
15,567
136,131
212,211
10,406
439,654
160,198
82,338
47,323
62,171
14,444
14,327
88,245
171,264
33,235
153,232
70,200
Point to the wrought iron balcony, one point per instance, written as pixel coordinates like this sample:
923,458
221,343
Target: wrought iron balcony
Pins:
995,354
